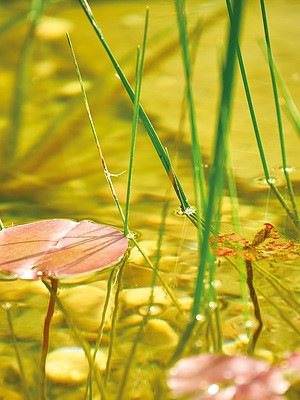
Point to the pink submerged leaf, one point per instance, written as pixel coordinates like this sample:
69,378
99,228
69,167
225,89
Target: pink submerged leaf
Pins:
199,372
294,361
59,248
268,385
240,378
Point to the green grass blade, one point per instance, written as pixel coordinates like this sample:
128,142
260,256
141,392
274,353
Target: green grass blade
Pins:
290,106
237,229
26,393
257,132
143,116
198,170
220,150
147,316
278,114
138,85
113,332
80,340
107,174
218,168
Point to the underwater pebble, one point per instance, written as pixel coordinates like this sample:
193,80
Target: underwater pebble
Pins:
68,365
85,304
53,28
28,324
148,247
20,290
72,88
137,276
141,296
168,263
131,320
131,20
6,394
158,333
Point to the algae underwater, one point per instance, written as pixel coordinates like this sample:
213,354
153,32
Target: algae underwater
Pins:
161,304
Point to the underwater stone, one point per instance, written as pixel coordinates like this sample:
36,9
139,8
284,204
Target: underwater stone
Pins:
158,333
141,296
7,394
85,304
69,366
17,290
53,28
148,247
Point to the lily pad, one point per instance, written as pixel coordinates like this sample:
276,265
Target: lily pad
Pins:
59,248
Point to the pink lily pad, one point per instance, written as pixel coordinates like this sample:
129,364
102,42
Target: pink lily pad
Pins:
59,248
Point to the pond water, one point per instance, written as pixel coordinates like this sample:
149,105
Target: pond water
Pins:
52,169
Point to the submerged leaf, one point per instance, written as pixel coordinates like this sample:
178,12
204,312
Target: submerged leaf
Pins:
222,377
59,248
261,247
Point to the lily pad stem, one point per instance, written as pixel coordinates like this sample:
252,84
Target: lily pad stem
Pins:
46,333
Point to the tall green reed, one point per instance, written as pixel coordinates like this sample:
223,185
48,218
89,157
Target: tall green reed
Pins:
217,176
291,211
162,153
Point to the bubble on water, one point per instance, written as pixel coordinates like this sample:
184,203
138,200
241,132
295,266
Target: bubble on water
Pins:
198,344
248,324
262,181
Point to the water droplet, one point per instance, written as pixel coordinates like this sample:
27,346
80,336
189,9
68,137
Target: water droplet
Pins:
213,389
199,317
152,310
287,169
6,306
8,276
179,212
212,305
190,211
133,235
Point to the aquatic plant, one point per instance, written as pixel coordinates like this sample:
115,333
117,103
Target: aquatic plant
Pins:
200,321
262,247
56,249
